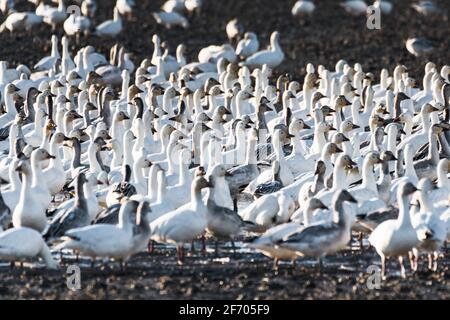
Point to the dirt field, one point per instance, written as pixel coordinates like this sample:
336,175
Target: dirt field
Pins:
323,39
247,276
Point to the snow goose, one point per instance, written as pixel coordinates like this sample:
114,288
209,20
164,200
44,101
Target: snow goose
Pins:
427,8
343,163
430,230
20,21
53,16
248,46
267,242
319,240
271,186
272,58
10,94
75,217
25,243
302,8
221,191
184,224
395,238
125,7
234,30
419,46
170,19
89,8
104,240
49,62
76,24
384,5
427,167
110,28
30,211
54,174
355,7
221,222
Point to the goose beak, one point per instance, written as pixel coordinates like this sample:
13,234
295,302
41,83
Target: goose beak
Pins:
50,157
322,206
332,128
355,126
15,88
228,174
352,199
305,126
338,150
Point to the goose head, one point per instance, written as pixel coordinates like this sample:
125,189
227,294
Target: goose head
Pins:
339,138
100,144
320,168
103,134
121,116
332,148
406,189
345,161
372,158
200,183
387,156
297,125
343,195
341,101
324,127
428,108
316,204
41,154
72,115
347,126
60,138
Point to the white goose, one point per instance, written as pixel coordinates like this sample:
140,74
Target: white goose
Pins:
104,240
110,28
272,58
17,244
184,224
395,238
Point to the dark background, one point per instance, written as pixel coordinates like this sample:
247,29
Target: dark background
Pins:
328,36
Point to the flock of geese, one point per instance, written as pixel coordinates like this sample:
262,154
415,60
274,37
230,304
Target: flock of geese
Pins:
103,158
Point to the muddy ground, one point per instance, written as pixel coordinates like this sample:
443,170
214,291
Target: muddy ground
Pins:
323,39
246,276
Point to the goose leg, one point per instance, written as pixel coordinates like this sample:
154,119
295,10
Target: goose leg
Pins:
203,244
430,261
275,264
93,262
216,251
435,264
402,267
151,246
192,246
411,260
235,205
234,249
360,239
383,267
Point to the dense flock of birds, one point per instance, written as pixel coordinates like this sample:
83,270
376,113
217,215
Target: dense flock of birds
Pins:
102,157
